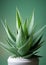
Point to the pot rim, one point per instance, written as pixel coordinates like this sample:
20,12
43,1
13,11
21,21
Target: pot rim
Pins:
18,59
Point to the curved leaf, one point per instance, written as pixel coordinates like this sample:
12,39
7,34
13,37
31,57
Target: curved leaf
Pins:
9,34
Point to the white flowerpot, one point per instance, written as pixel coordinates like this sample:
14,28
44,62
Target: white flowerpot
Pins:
22,61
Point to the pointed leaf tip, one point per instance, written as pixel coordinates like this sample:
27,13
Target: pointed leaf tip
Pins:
31,24
18,19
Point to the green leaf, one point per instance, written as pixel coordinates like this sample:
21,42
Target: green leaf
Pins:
32,55
6,47
36,43
31,24
25,47
9,34
11,49
18,19
28,56
38,56
9,43
25,28
12,36
37,47
20,38
39,31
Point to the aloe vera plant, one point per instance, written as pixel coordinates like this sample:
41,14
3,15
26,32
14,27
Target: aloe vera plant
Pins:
27,41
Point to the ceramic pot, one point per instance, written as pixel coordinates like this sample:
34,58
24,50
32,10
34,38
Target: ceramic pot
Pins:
22,61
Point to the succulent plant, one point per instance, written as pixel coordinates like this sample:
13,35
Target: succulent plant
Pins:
27,41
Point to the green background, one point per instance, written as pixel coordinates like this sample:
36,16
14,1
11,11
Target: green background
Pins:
7,11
